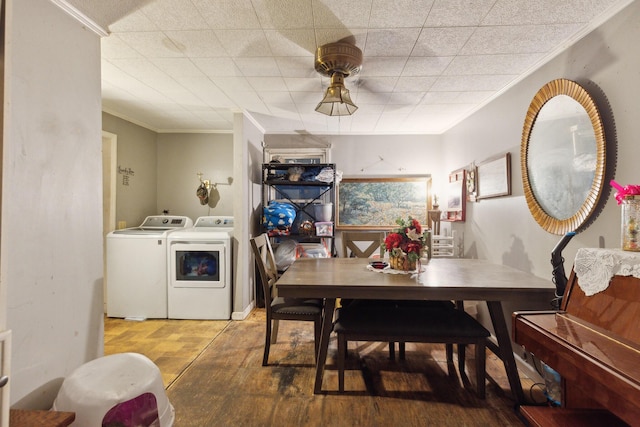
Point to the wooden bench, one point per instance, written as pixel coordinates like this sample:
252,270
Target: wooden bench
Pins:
593,342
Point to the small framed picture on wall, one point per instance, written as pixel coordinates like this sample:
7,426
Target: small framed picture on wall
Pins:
456,196
494,177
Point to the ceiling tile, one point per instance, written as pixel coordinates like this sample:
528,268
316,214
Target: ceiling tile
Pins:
520,39
441,41
297,66
426,65
233,84
341,14
263,84
414,84
471,83
177,67
523,12
303,84
218,67
278,98
152,44
228,14
492,64
410,98
379,66
240,43
306,98
174,15
391,42
203,44
399,13
255,67
470,97
132,22
114,47
291,42
458,13
372,84
284,13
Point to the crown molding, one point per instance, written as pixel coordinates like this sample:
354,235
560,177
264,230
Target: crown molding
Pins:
81,17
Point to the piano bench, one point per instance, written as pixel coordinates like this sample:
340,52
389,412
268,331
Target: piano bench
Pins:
547,416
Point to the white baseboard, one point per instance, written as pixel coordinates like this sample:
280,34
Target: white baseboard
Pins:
241,315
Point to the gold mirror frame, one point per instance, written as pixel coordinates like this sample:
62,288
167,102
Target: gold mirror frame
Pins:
579,94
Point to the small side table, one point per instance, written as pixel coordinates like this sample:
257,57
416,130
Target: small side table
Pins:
28,418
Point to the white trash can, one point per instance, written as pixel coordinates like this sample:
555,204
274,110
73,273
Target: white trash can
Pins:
120,389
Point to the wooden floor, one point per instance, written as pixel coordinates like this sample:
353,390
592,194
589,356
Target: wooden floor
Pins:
214,377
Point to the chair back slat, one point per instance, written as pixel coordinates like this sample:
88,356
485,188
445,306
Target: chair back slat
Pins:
352,242
266,263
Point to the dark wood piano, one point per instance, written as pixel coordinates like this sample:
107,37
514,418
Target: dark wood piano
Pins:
593,342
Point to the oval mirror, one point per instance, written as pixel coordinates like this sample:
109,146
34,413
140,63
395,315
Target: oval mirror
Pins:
562,156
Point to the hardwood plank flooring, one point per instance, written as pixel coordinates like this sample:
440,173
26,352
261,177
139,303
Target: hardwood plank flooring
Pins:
214,377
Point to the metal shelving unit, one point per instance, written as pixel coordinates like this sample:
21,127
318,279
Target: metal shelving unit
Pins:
303,194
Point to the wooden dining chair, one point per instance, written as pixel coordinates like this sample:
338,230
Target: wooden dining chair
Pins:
278,308
352,243
414,323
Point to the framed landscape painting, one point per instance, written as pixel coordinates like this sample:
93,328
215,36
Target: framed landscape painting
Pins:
376,203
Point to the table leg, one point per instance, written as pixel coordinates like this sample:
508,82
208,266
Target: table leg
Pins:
506,351
327,327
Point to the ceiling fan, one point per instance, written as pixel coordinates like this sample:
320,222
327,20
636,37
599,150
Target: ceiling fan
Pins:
337,61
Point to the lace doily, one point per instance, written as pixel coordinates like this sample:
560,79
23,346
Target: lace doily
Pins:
389,270
595,267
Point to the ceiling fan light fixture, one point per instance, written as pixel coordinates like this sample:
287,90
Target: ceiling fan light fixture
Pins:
337,61
337,100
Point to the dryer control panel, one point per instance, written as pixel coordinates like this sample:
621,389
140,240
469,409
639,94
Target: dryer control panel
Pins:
214,221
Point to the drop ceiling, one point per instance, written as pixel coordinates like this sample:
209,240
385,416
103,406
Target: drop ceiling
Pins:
188,65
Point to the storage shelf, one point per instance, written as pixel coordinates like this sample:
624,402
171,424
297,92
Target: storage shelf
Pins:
279,182
303,195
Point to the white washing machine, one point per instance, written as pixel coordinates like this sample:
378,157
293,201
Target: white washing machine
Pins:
137,268
199,265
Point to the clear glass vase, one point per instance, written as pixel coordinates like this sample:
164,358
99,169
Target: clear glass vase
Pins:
630,223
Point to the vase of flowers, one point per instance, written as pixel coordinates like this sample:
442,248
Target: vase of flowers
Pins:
406,244
629,198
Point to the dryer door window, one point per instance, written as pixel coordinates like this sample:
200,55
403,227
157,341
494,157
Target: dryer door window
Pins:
197,265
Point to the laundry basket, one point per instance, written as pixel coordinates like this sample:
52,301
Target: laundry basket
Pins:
122,389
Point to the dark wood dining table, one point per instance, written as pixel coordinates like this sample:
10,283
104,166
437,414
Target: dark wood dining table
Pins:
440,279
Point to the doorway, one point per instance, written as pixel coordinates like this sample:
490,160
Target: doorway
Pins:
109,172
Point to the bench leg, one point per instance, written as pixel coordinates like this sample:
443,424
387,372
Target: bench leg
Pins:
342,351
481,356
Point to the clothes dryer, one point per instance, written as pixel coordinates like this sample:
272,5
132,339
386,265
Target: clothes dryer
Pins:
137,268
200,270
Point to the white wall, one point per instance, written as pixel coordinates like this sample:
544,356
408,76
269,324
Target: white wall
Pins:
247,158
51,259
502,230
180,158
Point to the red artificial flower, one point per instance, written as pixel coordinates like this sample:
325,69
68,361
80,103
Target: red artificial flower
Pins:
416,225
413,246
393,240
